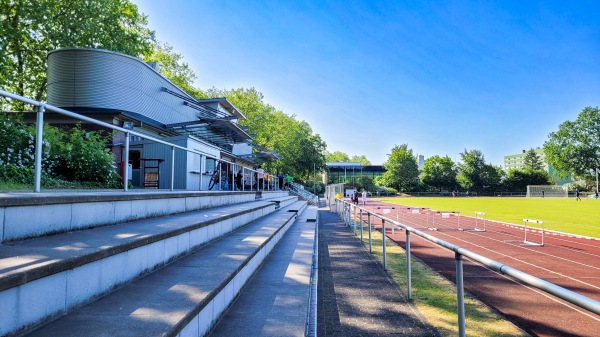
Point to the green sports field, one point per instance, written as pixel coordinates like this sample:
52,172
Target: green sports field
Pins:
559,214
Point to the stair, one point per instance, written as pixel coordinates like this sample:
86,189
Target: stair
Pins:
158,275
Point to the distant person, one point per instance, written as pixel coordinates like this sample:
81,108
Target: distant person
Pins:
280,180
355,198
596,194
238,180
577,198
543,193
364,197
260,173
288,181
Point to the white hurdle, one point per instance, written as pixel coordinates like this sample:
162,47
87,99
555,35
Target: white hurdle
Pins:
444,215
478,217
539,222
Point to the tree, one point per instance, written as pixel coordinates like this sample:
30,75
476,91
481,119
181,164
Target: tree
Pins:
32,28
517,180
172,67
362,159
275,130
336,157
476,175
402,171
439,172
575,147
532,161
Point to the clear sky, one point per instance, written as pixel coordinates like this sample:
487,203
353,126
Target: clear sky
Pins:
440,76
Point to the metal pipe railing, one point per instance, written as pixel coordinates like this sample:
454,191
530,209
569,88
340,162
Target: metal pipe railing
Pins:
42,107
550,288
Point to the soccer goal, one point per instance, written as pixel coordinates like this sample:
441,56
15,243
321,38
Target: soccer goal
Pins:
541,191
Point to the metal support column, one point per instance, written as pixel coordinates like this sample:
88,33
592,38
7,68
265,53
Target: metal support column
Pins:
38,148
460,295
384,251
408,268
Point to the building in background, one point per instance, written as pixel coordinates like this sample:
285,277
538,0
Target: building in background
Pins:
517,161
125,91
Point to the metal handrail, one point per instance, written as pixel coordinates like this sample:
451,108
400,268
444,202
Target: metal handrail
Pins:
39,136
550,288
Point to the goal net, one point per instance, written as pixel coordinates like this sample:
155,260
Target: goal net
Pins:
540,191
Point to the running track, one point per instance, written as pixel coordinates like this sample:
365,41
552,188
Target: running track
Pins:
566,260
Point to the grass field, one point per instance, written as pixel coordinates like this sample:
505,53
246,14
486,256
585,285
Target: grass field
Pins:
558,214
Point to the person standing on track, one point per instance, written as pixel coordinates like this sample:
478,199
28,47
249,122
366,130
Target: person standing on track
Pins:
364,197
577,198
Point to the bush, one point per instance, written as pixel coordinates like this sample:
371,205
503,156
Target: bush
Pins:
319,186
69,159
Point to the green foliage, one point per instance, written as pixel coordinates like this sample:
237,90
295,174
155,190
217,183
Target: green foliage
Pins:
336,157
301,150
517,180
532,161
402,171
439,172
316,187
575,147
365,183
475,175
32,28
85,158
74,156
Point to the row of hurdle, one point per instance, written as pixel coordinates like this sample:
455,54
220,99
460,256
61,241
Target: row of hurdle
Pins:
436,217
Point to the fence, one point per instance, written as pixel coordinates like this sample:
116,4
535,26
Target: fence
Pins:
344,210
42,107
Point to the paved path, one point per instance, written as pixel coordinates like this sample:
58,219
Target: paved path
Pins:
356,296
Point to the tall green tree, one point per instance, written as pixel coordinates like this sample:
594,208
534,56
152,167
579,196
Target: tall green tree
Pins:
532,161
362,159
476,175
439,172
575,147
32,28
292,139
336,157
402,171
517,180
173,68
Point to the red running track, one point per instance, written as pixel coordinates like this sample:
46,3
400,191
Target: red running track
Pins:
568,261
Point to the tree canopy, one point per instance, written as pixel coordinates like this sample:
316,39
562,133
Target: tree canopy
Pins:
439,172
575,147
32,28
402,171
532,161
476,175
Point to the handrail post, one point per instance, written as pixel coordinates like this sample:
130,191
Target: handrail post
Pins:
460,294
361,225
126,164
384,250
38,147
172,168
408,267
370,236
202,162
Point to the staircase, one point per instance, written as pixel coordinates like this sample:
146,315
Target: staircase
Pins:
132,263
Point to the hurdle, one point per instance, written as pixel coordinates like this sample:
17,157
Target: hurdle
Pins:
539,222
444,215
388,211
412,210
479,216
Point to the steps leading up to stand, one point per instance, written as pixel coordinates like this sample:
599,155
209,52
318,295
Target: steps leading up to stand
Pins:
281,307
186,297
45,277
28,215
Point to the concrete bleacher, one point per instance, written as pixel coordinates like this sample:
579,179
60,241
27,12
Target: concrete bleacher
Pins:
133,263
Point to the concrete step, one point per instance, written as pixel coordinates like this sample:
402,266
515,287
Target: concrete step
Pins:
184,298
276,300
45,277
29,215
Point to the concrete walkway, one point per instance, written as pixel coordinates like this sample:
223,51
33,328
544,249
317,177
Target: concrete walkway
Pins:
356,296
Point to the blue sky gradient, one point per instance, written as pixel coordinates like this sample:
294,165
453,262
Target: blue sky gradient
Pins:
440,76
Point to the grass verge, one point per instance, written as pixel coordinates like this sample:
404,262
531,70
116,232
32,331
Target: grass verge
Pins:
435,296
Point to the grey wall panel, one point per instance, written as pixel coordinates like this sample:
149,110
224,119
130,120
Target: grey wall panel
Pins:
102,79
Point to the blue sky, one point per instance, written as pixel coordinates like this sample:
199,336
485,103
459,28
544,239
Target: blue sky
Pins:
440,76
